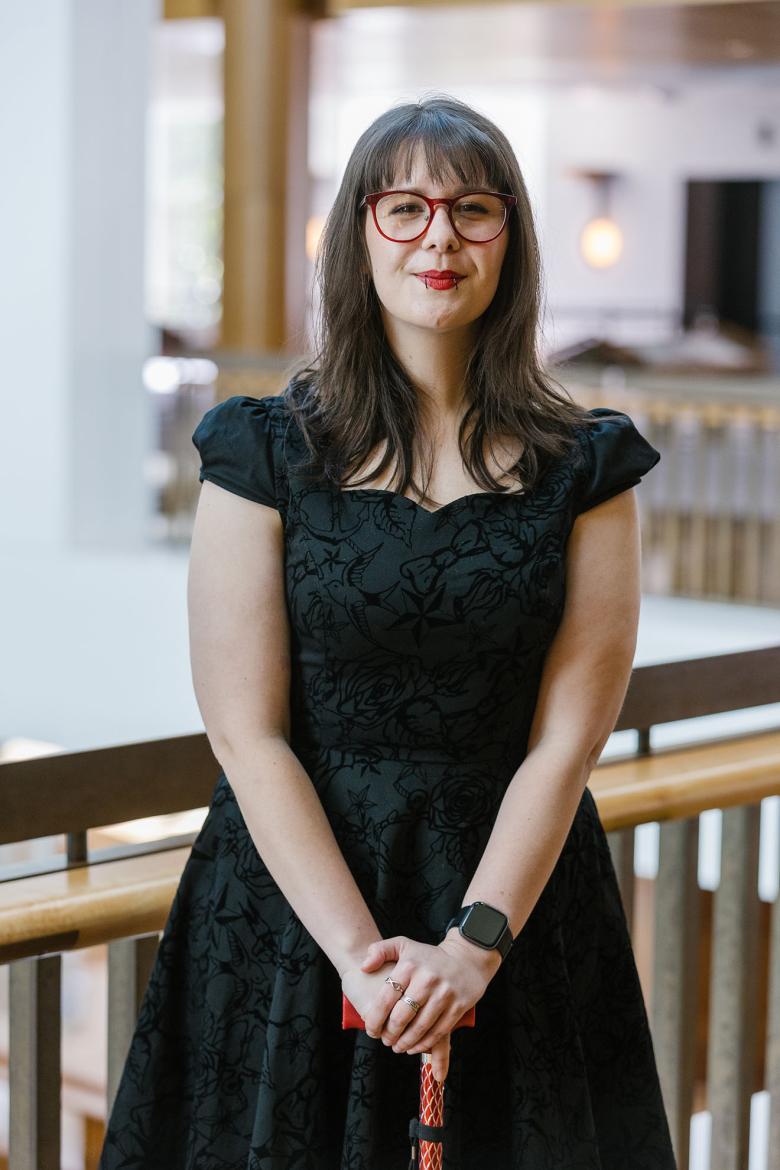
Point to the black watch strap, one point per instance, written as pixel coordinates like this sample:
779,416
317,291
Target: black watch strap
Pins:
505,940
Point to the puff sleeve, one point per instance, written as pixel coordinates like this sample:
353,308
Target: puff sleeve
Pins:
235,440
617,455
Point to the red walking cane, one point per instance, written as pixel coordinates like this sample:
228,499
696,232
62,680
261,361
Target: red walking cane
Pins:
427,1131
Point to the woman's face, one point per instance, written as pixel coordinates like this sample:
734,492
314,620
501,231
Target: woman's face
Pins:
407,298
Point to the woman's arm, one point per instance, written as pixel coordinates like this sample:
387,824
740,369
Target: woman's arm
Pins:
240,658
584,681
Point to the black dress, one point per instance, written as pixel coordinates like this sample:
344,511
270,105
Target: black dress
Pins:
418,639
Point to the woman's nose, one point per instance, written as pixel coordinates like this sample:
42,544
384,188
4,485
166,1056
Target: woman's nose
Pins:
440,225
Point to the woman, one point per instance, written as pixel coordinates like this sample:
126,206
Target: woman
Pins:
407,688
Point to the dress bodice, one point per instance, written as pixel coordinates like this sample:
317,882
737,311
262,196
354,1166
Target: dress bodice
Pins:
415,633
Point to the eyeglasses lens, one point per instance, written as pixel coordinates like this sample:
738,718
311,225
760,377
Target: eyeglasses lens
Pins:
403,215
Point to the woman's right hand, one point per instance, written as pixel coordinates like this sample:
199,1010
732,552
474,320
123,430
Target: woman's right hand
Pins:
447,979
362,989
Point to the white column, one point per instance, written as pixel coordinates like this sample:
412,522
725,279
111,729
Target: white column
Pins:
74,419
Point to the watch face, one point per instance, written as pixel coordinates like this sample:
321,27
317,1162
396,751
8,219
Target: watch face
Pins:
484,924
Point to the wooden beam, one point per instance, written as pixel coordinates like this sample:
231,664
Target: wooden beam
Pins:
257,66
335,7
201,9
191,9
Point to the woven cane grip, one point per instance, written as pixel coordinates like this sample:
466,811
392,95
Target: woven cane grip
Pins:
431,1154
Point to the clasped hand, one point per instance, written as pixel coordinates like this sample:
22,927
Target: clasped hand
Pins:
446,980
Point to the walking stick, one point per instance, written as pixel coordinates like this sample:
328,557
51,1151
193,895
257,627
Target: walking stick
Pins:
426,1131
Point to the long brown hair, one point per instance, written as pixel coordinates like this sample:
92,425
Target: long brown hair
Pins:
354,393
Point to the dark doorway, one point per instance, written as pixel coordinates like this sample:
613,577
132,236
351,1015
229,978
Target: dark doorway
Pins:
722,260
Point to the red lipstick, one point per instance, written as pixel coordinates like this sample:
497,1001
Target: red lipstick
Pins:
440,278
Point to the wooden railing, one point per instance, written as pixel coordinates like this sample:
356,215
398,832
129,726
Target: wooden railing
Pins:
711,511
715,972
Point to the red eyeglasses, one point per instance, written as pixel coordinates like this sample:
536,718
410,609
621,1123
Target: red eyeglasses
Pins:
402,216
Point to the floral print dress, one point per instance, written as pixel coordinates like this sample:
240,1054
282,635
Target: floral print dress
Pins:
418,639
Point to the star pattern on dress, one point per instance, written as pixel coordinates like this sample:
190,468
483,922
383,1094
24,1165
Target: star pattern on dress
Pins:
359,801
296,1040
423,616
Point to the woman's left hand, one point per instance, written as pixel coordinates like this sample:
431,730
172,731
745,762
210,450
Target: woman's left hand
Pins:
446,980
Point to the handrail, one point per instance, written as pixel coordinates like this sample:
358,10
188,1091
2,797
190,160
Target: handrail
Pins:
71,792
666,692
90,904
680,782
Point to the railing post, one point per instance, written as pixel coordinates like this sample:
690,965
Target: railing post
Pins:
773,1035
732,1023
622,843
35,1069
130,962
76,847
621,847
675,974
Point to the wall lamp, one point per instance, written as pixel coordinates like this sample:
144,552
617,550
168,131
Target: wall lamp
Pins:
601,240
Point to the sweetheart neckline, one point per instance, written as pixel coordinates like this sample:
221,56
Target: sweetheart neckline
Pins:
493,493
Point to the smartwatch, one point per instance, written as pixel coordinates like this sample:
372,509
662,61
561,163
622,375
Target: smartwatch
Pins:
484,925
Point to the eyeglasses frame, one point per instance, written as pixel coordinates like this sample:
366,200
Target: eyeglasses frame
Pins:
371,201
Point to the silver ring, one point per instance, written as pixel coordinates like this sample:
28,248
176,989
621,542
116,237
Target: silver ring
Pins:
396,986
412,1002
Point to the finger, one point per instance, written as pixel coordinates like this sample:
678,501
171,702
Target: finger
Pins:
426,1044
400,1016
386,949
417,1024
377,1016
440,1059
432,1036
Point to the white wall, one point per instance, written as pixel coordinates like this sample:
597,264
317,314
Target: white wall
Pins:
75,417
657,142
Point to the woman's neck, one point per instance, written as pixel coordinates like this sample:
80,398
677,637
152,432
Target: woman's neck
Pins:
436,365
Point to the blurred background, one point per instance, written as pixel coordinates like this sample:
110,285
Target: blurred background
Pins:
168,168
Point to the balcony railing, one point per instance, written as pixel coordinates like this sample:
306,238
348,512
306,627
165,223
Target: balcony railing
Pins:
713,967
